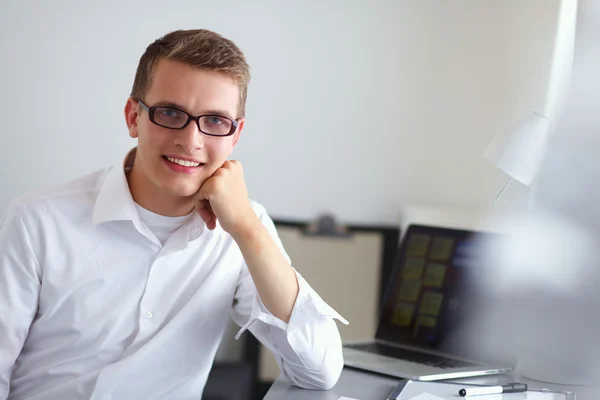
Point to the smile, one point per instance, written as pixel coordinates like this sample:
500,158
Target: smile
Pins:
183,163
182,166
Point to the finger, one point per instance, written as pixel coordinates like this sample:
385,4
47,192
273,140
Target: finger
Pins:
208,187
202,204
203,193
212,224
204,209
209,218
230,165
205,215
234,164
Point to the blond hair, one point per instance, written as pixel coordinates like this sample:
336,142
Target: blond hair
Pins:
200,48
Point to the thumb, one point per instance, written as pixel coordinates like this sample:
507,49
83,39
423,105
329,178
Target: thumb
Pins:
206,213
203,208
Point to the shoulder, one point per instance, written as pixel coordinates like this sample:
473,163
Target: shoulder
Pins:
76,192
262,213
265,218
258,208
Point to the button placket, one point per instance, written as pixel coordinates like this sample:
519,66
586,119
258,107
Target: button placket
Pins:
148,301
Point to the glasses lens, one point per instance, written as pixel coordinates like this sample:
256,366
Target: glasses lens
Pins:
215,125
170,117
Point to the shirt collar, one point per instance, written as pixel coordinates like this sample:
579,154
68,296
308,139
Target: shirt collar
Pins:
115,203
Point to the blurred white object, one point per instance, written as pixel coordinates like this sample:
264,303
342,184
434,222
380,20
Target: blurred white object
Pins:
520,152
547,273
544,251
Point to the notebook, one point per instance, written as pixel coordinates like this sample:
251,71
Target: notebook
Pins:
431,296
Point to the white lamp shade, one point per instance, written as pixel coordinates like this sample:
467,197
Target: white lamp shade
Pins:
520,152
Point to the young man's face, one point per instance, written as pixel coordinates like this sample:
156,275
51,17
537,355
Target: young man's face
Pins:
197,92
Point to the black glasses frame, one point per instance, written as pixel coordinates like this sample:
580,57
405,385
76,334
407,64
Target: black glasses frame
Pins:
151,110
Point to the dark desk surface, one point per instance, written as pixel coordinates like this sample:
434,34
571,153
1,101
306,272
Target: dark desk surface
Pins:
366,386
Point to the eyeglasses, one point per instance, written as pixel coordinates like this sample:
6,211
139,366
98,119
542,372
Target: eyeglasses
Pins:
174,118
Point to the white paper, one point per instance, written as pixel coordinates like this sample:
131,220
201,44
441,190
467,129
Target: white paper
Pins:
347,398
426,396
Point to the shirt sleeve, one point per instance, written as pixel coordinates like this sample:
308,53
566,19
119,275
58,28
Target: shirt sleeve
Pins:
19,291
308,349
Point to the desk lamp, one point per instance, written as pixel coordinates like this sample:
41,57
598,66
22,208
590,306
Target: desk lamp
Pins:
520,152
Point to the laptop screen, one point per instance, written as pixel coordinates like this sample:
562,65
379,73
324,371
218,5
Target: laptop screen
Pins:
432,290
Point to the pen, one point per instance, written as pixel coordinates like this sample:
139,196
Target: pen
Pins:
510,388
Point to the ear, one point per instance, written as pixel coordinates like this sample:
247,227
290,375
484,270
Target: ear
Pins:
238,131
131,116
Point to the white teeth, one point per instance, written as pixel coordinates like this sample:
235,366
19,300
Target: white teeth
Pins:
183,163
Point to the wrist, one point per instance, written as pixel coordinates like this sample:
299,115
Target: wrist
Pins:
247,229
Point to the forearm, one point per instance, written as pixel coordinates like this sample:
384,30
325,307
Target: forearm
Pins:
308,346
274,278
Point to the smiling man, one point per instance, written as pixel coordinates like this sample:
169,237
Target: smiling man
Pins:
119,285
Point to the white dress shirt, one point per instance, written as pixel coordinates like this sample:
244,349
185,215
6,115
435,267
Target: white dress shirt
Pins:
94,306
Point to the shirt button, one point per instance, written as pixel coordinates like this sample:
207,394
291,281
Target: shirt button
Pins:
149,315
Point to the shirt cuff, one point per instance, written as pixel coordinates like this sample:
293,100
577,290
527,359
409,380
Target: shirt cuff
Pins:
308,307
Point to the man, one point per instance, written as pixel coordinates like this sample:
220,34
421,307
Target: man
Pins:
118,285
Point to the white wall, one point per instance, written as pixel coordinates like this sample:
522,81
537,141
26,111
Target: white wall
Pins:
355,106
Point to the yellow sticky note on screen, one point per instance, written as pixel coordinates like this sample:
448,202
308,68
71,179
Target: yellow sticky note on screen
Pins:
403,313
409,290
434,275
413,268
418,245
431,303
441,248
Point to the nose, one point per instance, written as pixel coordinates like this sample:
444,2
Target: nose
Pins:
189,139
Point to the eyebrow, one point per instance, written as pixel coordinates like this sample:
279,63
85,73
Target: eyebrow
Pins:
171,104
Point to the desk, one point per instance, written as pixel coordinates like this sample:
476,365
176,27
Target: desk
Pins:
366,386
352,383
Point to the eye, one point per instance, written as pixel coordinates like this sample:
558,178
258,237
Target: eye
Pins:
169,113
170,117
214,120
215,125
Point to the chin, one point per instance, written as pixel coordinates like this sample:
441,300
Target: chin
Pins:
182,190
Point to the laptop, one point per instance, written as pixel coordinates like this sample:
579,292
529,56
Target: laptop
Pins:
429,298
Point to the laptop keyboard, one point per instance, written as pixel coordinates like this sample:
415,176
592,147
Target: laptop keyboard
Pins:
409,355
